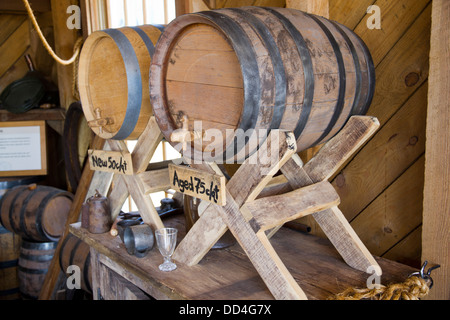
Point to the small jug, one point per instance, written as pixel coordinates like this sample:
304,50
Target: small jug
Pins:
99,214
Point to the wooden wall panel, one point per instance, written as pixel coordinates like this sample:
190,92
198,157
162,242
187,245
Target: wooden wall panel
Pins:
381,187
17,38
8,24
14,46
394,213
13,67
403,70
396,18
410,244
349,13
395,147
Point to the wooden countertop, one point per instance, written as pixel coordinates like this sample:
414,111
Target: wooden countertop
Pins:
227,274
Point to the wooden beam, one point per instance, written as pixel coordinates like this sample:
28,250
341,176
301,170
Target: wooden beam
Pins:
65,39
56,114
274,211
135,188
436,211
155,181
82,193
266,261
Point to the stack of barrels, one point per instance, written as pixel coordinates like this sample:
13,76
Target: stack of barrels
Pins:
32,219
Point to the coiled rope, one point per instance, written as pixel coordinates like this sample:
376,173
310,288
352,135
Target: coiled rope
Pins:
413,288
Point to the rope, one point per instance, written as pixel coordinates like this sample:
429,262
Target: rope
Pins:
76,48
414,288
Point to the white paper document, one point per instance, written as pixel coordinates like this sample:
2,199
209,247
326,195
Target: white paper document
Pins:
20,148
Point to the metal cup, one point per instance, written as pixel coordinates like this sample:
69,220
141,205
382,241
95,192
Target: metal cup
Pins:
138,239
124,224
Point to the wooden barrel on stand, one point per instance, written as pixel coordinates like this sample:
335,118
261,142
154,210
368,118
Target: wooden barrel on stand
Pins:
113,80
234,71
37,213
34,260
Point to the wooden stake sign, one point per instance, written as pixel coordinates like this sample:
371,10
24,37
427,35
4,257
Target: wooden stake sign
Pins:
111,161
199,184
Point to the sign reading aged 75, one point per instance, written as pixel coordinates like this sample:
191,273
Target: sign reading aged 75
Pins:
199,184
110,161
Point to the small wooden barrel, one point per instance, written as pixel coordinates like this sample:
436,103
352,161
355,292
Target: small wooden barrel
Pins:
34,260
113,80
9,258
76,252
10,245
251,68
37,213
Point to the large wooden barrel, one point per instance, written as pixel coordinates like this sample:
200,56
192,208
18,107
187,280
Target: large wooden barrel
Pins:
37,213
34,260
258,68
76,252
113,80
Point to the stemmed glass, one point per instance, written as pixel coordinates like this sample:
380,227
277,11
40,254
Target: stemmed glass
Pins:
166,238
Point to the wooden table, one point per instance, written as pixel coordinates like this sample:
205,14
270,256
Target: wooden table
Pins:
225,274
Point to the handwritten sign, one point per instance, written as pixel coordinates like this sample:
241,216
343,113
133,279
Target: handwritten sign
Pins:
199,184
110,161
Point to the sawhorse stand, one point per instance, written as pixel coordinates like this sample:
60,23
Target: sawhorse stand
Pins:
253,221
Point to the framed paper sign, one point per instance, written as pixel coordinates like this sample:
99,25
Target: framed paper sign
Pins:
23,148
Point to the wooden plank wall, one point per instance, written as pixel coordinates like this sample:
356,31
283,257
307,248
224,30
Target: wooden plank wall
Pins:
17,38
381,189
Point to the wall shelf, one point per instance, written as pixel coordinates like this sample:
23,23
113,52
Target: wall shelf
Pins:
34,114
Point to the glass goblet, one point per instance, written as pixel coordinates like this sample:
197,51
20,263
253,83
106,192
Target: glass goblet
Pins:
166,239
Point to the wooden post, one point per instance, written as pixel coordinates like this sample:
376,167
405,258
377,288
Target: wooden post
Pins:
85,189
65,39
181,7
436,207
